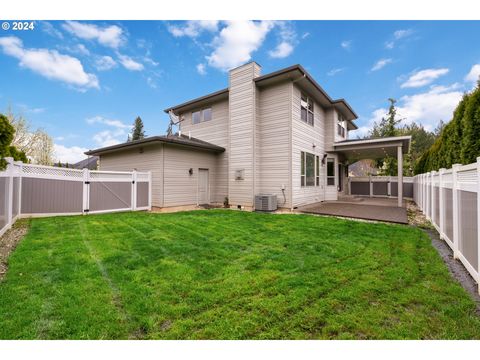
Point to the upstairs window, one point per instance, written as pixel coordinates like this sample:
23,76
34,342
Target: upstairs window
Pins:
306,104
202,116
340,126
330,171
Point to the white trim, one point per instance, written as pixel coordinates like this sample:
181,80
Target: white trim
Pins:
110,211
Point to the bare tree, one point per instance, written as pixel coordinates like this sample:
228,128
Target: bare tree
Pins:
36,144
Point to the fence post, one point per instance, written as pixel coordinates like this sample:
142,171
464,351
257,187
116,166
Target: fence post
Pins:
134,190
456,213
149,190
10,169
370,191
20,173
441,203
389,186
86,192
434,198
478,223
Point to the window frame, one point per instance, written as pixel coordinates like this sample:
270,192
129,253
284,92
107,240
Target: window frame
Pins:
329,177
314,179
308,108
201,113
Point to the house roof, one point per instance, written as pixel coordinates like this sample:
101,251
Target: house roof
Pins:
356,149
88,163
296,73
166,139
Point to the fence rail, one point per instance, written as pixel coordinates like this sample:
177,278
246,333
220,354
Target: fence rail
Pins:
381,186
33,190
450,199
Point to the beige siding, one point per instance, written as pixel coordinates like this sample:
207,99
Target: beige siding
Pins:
273,134
241,136
214,131
304,136
181,187
149,160
330,123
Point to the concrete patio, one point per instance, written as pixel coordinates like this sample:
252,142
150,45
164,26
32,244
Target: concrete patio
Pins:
361,207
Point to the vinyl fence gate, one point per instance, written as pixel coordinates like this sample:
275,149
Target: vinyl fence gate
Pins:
33,190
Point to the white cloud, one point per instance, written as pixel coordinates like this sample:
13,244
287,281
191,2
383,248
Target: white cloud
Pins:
70,154
398,35
109,122
474,74
380,64
305,35
50,63
49,29
282,50
193,28
236,42
111,36
201,69
424,77
151,82
130,64
26,109
116,134
109,138
82,49
346,44
426,108
103,63
335,71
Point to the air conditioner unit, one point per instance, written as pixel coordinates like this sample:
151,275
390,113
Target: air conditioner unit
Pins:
265,202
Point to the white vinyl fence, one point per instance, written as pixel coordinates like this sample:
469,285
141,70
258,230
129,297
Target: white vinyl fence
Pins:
450,199
34,190
381,186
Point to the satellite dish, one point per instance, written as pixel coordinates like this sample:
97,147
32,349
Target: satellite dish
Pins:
174,120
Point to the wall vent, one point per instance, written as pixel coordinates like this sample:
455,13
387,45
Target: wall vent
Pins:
265,202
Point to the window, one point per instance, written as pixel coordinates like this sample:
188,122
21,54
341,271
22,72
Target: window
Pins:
306,105
207,114
201,116
196,117
330,171
340,126
309,169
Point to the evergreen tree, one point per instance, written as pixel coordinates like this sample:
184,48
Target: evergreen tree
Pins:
6,136
137,131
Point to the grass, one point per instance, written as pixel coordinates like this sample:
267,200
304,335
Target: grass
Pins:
229,275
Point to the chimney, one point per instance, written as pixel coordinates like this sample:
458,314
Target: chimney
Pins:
242,109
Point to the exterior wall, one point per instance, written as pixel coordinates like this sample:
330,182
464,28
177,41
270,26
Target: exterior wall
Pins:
181,188
273,137
303,138
150,160
242,113
214,131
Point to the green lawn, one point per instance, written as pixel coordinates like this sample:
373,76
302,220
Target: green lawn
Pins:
229,275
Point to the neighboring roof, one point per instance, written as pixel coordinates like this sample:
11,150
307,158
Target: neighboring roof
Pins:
217,95
88,163
167,139
356,149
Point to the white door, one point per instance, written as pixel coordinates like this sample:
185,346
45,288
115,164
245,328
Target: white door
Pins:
203,187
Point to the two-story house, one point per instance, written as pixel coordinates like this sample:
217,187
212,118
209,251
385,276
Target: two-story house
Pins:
278,133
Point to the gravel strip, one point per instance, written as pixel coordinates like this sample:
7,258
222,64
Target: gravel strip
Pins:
8,243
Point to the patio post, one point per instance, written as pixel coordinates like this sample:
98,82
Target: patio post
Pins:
400,175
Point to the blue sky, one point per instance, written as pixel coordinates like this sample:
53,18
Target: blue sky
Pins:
84,82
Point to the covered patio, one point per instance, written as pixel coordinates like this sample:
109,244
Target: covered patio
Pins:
358,149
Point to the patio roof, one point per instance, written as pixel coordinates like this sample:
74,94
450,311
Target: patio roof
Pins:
357,149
